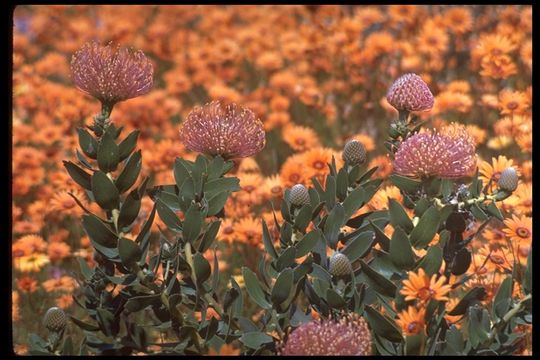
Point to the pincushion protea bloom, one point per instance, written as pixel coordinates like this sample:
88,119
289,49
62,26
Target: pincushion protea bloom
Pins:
445,155
111,74
410,93
227,130
347,335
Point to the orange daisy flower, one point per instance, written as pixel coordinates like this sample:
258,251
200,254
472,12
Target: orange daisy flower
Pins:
458,19
519,229
419,286
513,102
64,203
273,187
385,166
27,284
248,165
293,172
412,320
300,138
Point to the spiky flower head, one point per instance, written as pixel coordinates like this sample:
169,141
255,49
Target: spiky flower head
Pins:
110,73
354,152
299,195
55,319
409,92
446,154
339,265
346,335
508,180
227,130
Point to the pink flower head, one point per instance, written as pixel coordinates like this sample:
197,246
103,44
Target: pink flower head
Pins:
348,335
449,154
227,130
409,92
111,74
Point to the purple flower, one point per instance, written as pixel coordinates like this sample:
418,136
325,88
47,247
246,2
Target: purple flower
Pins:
227,130
446,155
347,335
409,92
111,74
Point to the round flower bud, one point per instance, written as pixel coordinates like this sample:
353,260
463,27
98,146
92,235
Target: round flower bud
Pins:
354,152
508,180
410,93
340,265
346,335
55,319
299,195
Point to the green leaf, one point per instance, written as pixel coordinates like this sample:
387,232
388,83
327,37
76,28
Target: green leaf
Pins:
413,344
333,225
181,172
421,206
432,261
454,340
255,339
129,251
129,210
267,240
334,299
106,322
217,202
127,145
377,281
168,216
427,227
99,232
104,191
359,246
380,236
354,201
88,143
307,243
367,175
254,289
137,303
401,252
282,287
478,213
144,235
405,184
222,184
503,298
478,325
383,326
86,272
447,186
330,193
286,259
494,210
303,218
472,297
130,173
202,268
78,175
209,236
84,325
341,184
527,280
192,223
462,262
398,216
108,153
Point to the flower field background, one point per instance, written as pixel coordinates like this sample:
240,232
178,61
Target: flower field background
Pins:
316,77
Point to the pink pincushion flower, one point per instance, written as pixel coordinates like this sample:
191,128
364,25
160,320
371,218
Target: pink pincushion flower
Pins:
227,130
409,92
111,74
450,154
348,335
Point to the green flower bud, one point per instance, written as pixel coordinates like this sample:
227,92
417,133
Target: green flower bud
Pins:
508,180
354,152
55,319
299,195
340,265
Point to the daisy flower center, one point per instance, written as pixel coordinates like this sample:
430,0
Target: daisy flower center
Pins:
523,232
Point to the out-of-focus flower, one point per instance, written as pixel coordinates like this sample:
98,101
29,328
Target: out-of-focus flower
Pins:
409,92
300,138
412,320
27,284
111,74
347,335
427,154
420,286
30,263
227,130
